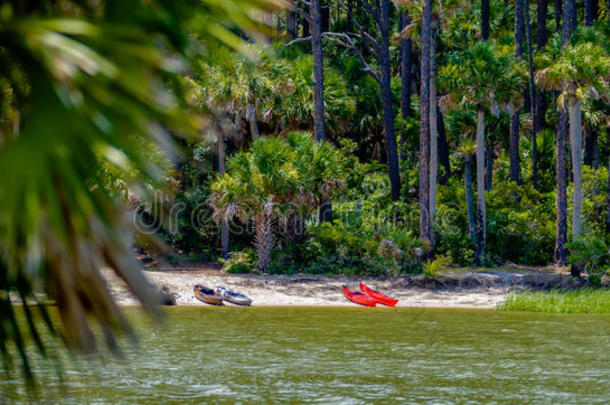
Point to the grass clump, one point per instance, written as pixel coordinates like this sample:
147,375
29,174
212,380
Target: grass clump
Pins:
584,301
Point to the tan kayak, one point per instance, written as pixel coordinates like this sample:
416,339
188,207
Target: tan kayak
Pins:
207,295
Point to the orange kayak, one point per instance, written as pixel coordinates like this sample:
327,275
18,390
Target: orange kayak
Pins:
207,295
378,296
358,297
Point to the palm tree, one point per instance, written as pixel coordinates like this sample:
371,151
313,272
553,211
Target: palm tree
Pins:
275,178
580,74
254,187
425,227
513,110
86,86
240,85
479,78
433,128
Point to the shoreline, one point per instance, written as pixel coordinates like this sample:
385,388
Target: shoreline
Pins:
468,290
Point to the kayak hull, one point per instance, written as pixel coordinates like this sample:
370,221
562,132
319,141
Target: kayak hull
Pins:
207,295
233,297
378,296
358,297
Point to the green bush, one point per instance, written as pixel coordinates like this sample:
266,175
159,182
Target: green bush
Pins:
590,254
239,262
432,268
520,224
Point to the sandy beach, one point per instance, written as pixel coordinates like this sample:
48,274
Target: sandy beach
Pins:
464,290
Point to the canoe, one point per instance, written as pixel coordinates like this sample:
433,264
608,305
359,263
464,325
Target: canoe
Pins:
378,296
207,295
358,297
233,296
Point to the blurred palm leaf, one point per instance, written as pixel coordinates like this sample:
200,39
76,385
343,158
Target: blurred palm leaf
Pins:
81,84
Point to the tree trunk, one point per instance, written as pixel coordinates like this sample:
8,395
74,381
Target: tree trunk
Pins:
481,217
386,100
251,117
305,23
541,12
519,28
513,141
558,11
318,71
575,114
325,211
350,16
263,236
532,88
425,229
513,135
405,80
561,237
608,202
589,141
443,147
591,7
469,199
433,129
573,19
291,24
224,228
484,20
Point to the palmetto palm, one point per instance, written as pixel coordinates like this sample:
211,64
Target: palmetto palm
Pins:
255,187
580,74
275,179
83,83
242,85
480,78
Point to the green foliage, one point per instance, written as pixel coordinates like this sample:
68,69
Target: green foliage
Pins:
592,255
276,84
482,75
239,262
277,180
583,301
520,224
359,247
595,203
432,269
581,71
84,83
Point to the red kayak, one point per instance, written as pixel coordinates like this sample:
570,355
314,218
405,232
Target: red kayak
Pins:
378,296
358,297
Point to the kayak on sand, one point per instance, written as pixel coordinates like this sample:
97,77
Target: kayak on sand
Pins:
358,297
207,295
378,296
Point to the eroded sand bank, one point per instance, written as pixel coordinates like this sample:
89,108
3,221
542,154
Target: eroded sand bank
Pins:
469,290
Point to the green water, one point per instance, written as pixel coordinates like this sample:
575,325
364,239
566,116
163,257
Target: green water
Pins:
347,355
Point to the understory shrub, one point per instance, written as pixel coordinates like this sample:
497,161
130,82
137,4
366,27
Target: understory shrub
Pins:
590,254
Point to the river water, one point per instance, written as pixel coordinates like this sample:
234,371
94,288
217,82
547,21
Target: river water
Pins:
343,355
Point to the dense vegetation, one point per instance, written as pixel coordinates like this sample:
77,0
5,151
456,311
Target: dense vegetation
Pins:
316,136
481,173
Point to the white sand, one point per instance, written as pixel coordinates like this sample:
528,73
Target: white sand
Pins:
303,290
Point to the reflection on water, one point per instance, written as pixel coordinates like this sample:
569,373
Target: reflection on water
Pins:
348,355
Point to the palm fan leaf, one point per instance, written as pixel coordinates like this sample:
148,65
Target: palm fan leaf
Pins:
84,86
